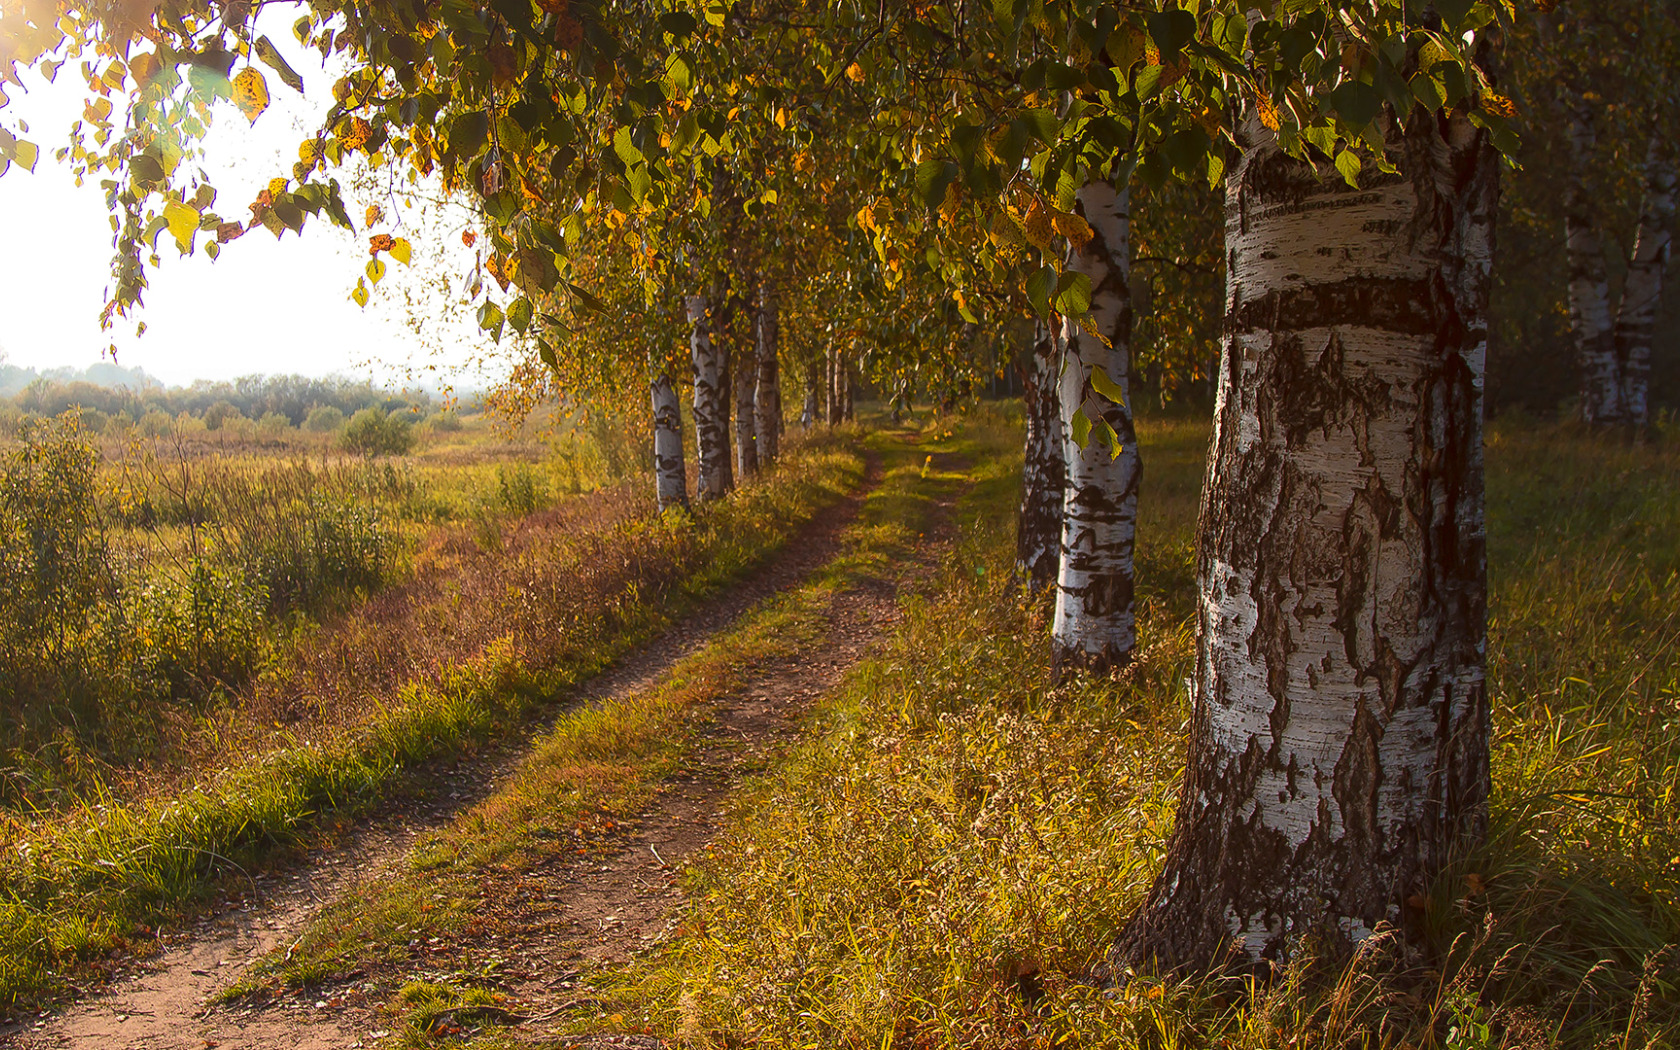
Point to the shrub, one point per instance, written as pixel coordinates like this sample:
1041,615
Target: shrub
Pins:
323,419
218,414
155,424
374,432
519,488
201,632
273,425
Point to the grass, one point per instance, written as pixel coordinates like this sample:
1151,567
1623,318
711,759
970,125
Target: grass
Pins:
950,853
595,769
93,881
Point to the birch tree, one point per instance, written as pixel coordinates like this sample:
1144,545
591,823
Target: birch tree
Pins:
711,404
670,471
1095,626
767,392
1339,733
1038,538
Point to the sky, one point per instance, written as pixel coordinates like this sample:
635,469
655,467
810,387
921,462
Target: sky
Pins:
264,306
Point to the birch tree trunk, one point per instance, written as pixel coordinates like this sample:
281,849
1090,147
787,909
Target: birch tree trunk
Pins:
711,405
767,396
1339,731
1094,628
746,447
833,402
808,415
846,415
1636,317
1589,283
670,473
1038,538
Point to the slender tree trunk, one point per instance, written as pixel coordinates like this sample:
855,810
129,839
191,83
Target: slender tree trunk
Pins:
1636,318
1339,730
711,405
846,415
1038,538
746,445
670,473
1589,283
1095,627
767,396
833,401
808,416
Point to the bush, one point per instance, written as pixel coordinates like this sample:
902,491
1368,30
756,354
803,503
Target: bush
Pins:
273,426
323,419
445,422
373,432
203,632
156,424
519,488
218,414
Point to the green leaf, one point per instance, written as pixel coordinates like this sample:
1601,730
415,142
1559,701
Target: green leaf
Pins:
468,134
1171,30
1073,293
519,314
491,319
591,303
272,59
1042,124
626,150
1105,385
1347,162
933,179
1356,103
1039,286
1080,427
679,24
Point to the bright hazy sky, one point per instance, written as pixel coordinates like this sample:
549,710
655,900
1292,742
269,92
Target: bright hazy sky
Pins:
264,306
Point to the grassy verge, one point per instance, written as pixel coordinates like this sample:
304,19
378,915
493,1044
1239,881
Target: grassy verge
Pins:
93,883
591,772
944,861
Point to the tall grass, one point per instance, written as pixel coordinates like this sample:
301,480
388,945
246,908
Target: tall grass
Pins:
948,858
470,646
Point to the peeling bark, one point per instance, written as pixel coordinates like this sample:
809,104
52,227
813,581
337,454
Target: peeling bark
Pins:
767,394
1038,537
1589,282
1339,731
1095,627
670,473
1636,317
711,404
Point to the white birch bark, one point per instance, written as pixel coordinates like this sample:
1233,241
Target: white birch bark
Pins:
1094,626
808,414
1339,731
670,473
1636,317
1589,281
767,393
1038,537
745,378
711,405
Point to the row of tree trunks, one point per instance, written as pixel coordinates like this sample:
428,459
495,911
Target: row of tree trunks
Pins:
670,472
1094,626
1038,541
1636,318
1614,354
1589,281
711,402
1339,731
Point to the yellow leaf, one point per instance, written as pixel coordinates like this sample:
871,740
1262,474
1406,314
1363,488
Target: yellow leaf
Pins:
1071,226
374,214
375,270
854,73
276,187
781,117
1268,112
250,93
183,223
360,293
401,250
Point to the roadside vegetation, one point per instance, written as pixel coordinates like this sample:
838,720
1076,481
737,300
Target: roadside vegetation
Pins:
934,866
209,657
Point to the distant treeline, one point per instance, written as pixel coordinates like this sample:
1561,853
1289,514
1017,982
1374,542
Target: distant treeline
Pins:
134,395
